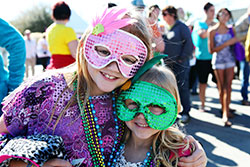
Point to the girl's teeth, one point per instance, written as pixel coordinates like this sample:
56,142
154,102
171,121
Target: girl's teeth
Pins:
109,77
143,125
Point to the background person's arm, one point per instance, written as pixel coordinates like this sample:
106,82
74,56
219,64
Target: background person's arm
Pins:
71,41
202,33
3,128
73,47
13,42
187,46
211,45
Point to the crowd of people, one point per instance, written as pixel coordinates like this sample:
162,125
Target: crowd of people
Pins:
113,97
209,46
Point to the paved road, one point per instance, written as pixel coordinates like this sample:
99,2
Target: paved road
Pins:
225,147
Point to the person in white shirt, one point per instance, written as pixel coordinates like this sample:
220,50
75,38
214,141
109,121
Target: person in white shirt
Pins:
30,53
43,53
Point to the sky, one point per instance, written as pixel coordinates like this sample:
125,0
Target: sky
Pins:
10,9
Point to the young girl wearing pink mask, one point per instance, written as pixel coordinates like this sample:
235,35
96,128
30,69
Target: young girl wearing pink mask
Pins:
78,103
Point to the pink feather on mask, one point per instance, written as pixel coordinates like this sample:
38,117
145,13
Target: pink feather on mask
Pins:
111,20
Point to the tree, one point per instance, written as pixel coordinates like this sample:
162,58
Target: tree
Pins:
37,19
188,15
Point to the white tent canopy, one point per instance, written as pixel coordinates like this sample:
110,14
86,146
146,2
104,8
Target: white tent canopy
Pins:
77,23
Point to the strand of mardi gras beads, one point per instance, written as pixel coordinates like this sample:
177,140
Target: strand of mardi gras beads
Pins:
90,131
147,162
93,134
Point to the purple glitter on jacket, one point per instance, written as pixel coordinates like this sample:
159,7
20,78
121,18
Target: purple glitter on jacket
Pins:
29,110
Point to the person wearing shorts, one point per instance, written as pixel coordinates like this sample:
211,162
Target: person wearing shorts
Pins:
203,57
223,61
205,68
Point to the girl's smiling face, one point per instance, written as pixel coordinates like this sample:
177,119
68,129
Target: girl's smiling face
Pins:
105,79
112,59
139,127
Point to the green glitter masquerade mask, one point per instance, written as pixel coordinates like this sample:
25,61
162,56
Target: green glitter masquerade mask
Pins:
146,94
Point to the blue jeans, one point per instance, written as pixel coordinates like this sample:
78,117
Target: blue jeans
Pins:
195,85
181,71
244,75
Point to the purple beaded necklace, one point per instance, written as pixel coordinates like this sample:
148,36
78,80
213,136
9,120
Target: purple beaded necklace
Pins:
93,133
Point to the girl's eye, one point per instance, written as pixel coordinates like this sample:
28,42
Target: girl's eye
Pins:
102,51
131,104
157,110
129,59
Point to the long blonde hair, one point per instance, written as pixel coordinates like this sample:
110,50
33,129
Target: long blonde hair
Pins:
85,83
172,138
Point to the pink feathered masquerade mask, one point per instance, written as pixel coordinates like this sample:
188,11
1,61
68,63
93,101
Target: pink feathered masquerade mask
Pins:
107,43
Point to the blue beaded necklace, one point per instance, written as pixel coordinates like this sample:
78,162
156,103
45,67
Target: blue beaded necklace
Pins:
93,133
147,162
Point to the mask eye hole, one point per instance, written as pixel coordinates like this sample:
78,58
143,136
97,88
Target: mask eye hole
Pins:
102,51
132,105
129,59
156,110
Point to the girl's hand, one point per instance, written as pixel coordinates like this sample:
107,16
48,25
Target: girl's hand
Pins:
57,163
198,157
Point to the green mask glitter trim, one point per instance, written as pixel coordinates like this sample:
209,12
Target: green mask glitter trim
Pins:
146,94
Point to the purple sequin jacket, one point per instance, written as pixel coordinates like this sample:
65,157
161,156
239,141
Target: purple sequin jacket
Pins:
27,111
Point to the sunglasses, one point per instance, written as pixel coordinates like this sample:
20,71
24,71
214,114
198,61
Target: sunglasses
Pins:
165,14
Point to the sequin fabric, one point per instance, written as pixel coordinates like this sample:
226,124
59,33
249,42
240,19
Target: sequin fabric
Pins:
146,94
28,110
118,43
122,162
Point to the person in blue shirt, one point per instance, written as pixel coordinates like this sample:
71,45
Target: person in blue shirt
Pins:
179,48
203,57
12,76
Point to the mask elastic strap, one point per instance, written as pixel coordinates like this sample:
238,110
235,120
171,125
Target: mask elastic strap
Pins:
149,64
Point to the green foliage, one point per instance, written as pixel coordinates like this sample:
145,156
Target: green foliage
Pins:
37,19
188,14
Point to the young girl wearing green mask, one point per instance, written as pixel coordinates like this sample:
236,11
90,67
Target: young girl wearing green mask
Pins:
149,108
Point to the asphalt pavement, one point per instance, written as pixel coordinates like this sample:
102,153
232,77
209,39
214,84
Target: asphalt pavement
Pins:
224,146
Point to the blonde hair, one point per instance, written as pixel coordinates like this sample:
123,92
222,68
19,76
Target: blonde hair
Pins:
85,83
172,138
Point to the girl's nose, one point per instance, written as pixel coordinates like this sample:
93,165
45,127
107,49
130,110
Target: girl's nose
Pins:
140,116
113,66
